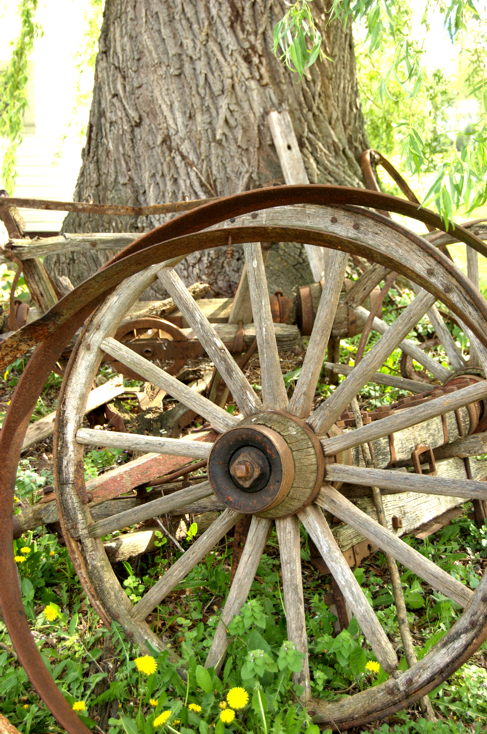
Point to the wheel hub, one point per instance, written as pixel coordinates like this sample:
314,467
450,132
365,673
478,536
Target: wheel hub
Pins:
271,465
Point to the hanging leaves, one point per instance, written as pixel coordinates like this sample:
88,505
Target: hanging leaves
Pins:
298,38
13,90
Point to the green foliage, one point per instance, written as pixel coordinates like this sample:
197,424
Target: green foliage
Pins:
13,90
298,38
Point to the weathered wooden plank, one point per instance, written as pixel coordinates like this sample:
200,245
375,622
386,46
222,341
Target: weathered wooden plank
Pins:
273,390
218,417
436,369
337,504
317,526
244,577
401,383
44,427
464,447
136,442
303,396
325,416
414,510
405,418
174,501
185,563
407,481
292,584
294,172
245,397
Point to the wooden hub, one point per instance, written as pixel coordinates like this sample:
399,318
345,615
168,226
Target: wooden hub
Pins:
271,465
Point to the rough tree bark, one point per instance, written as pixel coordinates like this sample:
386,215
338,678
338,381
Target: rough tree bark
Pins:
181,97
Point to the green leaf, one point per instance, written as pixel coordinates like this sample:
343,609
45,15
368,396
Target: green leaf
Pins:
204,680
357,660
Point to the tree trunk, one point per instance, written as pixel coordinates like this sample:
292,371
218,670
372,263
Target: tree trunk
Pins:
180,103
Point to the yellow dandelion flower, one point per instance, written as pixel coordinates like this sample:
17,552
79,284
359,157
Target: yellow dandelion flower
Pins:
154,701
237,698
20,559
26,705
194,707
227,716
176,721
25,550
79,706
222,705
52,553
146,664
16,499
50,613
162,718
373,666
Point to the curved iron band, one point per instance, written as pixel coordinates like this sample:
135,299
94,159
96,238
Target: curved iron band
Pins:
373,156
57,328
108,277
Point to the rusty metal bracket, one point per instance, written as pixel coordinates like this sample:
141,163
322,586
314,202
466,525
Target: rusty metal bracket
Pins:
424,448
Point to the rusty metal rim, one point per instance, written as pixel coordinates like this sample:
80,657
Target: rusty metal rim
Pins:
57,332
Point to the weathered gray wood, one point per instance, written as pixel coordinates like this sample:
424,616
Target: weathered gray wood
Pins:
474,276
135,442
185,563
44,427
244,577
406,482
402,383
440,372
245,397
405,418
413,509
27,250
167,306
39,285
294,172
452,351
273,390
292,584
303,396
337,504
327,413
464,447
218,417
364,286
175,501
317,526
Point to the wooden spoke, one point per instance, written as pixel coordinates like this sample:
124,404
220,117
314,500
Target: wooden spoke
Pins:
246,399
336,503
218,417
239,590
145,444
436,369
302,399
406,481
317,526
473,275
292,583
186,563
273,390
402,383
151,509
405,418
364,286
452,351
325,416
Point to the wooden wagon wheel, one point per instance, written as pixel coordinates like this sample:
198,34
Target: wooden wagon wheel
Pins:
269,461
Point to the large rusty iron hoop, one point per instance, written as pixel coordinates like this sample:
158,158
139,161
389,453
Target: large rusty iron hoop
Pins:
175,239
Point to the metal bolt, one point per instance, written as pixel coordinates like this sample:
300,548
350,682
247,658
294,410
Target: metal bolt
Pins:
334,220
232,219
447,289
396,522
254,215
430,271
356,225
245,468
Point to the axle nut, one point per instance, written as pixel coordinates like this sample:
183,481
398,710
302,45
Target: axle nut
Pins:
247,466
